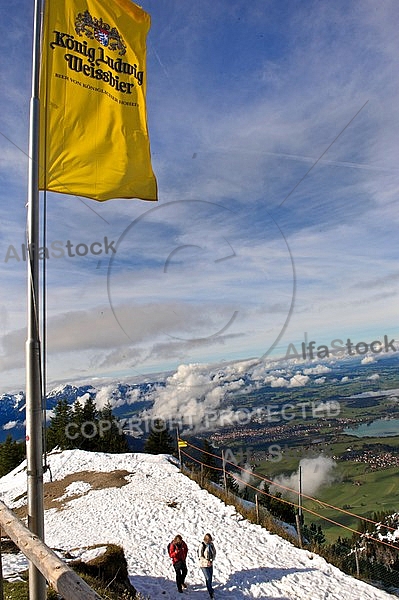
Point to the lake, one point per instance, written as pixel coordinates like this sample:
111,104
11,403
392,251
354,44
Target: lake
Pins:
378,428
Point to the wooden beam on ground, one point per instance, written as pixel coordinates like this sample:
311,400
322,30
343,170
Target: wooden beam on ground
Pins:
63,579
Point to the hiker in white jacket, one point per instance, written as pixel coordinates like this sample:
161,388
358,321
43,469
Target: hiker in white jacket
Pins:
206,554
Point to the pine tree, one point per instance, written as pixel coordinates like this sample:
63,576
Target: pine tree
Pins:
314,534
264,498
78,420
111,436
84,427
89,425
159,440
209,471
61,430
12,453
281,509
232,484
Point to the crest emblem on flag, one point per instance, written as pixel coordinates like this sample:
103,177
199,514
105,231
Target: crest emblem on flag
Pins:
102,36
96,29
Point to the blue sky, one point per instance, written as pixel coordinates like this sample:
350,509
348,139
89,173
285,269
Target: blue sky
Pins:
274,129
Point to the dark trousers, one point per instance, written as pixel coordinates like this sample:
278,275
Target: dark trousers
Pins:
181,572
208,573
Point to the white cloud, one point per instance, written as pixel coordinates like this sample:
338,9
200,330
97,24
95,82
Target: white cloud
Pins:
315,472
9,425
374,377
299,380
367,360
317,370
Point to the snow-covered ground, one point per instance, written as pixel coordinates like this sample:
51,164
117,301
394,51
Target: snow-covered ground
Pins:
157,503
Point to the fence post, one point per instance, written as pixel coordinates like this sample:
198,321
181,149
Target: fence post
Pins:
257,508
178,447
357,564
299,529
224,472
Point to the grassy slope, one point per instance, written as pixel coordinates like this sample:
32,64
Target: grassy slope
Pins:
379,490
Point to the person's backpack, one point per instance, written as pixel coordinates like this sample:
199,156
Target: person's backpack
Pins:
169,545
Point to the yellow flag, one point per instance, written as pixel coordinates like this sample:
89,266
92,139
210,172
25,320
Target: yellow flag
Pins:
93,120
181,444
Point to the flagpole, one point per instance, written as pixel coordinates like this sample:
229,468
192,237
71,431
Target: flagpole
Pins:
34,439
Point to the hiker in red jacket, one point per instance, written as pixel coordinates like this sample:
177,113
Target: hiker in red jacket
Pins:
178,553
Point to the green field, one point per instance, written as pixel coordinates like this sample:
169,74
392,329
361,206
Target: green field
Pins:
355,488
377,492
